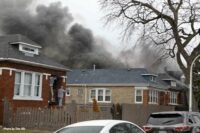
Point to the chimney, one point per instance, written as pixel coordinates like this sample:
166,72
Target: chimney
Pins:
94,67
182,78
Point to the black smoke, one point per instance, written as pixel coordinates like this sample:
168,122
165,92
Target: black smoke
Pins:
50,26
71,44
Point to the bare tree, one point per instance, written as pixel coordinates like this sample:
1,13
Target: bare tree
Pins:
172,23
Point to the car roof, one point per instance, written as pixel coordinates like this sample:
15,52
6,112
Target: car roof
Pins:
175,112
170,112
96,123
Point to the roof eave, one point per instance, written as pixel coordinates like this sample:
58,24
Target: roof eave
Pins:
107,84
36,46
34,64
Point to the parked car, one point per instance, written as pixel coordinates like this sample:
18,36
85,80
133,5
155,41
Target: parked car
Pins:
102,126
173,122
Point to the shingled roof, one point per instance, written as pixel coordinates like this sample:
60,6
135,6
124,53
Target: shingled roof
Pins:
10,52
124,77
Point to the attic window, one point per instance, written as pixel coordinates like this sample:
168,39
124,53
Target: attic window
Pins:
28,50
173,83
152,78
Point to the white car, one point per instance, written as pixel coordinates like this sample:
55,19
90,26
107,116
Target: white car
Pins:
102,126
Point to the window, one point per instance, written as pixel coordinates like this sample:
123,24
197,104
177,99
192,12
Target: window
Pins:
68,92
100,94
37,85
152,78
27,85
165,119
125,128
138,96
153,96
93,94
173,97
81,129
29,50
173,83
17,83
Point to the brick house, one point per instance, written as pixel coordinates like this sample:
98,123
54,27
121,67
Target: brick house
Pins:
130,86
27,77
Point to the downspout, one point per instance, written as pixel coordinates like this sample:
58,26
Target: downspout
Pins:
85,94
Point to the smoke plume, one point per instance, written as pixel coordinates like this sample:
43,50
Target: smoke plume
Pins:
147,55
71,44
74,46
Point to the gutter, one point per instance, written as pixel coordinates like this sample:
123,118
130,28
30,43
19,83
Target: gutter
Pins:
131,85
124,85
34,64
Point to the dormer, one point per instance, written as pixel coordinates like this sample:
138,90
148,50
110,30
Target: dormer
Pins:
170,82
149,77
27,49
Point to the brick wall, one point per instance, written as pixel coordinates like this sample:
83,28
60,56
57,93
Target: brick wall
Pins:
119,94
7,85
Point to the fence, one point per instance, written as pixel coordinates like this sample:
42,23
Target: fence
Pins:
139,113
85,112
50,119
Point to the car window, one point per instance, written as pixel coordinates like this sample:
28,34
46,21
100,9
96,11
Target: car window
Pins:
165,119
81,129
134,129
190,121
125,128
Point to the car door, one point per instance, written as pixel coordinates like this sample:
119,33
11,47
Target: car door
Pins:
196,124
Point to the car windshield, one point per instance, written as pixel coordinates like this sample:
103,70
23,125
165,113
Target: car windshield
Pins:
81,129
165,119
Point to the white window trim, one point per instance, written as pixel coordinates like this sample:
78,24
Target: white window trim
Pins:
32,97
69,92
136,96
171,98
152,78
153,102
104,95
35,50
173,83
27,98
